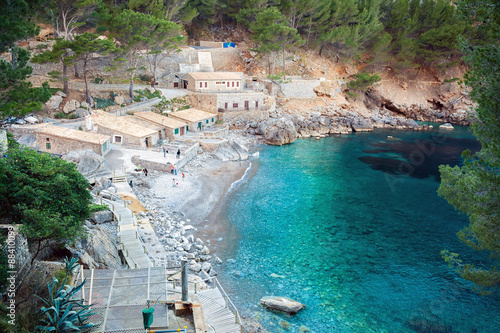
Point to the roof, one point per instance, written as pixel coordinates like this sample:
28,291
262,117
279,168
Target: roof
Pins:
145,123
215,76
160,119
192,115
121,124
72,134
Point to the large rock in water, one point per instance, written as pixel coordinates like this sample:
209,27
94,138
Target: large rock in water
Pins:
278,132
283,304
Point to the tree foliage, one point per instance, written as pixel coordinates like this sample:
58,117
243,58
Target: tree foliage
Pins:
45,194
474,189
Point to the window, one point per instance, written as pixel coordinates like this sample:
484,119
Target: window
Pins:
118,139
220,82
207,121
233,84
228,84
201,84
206,84
238,84
47,145
176,131
48,139
256,104
225,105
235,105
212,119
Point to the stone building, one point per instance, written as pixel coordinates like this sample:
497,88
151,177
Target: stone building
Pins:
223,102
174,128
60,140
121,130
195,119
144,123
213,82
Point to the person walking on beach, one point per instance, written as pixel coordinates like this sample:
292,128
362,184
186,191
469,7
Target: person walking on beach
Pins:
145,172
173,182
183,176
171,168
178,153
131,185
164,152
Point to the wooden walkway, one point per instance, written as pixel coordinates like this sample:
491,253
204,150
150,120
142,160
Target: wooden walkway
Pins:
217,315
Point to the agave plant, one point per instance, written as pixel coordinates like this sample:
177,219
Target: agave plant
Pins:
63,313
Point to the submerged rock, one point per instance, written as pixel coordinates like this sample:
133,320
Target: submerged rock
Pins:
283,304
446,126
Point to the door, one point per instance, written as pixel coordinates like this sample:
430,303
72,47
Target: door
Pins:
182,130
247,105
199,125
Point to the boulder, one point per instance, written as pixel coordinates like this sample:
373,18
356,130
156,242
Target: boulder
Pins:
195,267
54,102
283,304
102,217
71,106
362,125
88,162
81,113
28,140
119,99
446,126
278,132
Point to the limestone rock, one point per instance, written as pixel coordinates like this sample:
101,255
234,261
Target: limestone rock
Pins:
28,140
278,132
102,217
362,125
195,267
283,304
101,247
81,113
54,102
71,106
119,99
88,161
446,126
60,93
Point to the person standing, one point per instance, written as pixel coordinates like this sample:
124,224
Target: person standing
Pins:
145,172
183,176
178,153
171,168
164,152
173,182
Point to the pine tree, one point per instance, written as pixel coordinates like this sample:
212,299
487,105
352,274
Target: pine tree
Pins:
474,189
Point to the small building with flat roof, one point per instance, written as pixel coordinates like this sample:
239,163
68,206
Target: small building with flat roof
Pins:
60,140
123,131
196,119
213,82
174,128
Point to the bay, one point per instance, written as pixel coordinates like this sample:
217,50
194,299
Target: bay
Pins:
352,227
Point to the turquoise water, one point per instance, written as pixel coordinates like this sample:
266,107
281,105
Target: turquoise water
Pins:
352,227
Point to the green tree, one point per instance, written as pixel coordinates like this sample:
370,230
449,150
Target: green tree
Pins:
272,33
58,54
84,47
474,189
45,194
17,96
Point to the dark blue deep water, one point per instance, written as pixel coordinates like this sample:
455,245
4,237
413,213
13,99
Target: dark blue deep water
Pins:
352,227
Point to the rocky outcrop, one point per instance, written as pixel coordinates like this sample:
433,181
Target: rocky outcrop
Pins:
99,249
88,162
278,132
231,150
71,106
28,140
283,304
102,217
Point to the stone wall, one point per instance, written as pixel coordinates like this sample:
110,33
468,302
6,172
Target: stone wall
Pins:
205,102
243,116
63,146
211,44
300,88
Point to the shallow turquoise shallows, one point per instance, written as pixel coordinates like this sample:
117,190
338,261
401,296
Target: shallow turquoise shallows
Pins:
352,227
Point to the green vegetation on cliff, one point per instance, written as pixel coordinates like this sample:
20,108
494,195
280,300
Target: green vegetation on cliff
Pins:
474,189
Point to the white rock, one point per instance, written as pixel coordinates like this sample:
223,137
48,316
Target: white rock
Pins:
71,106
206,266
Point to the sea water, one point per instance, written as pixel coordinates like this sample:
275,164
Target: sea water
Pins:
352,227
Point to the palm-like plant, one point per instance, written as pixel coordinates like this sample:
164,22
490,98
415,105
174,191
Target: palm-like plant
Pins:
62,313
